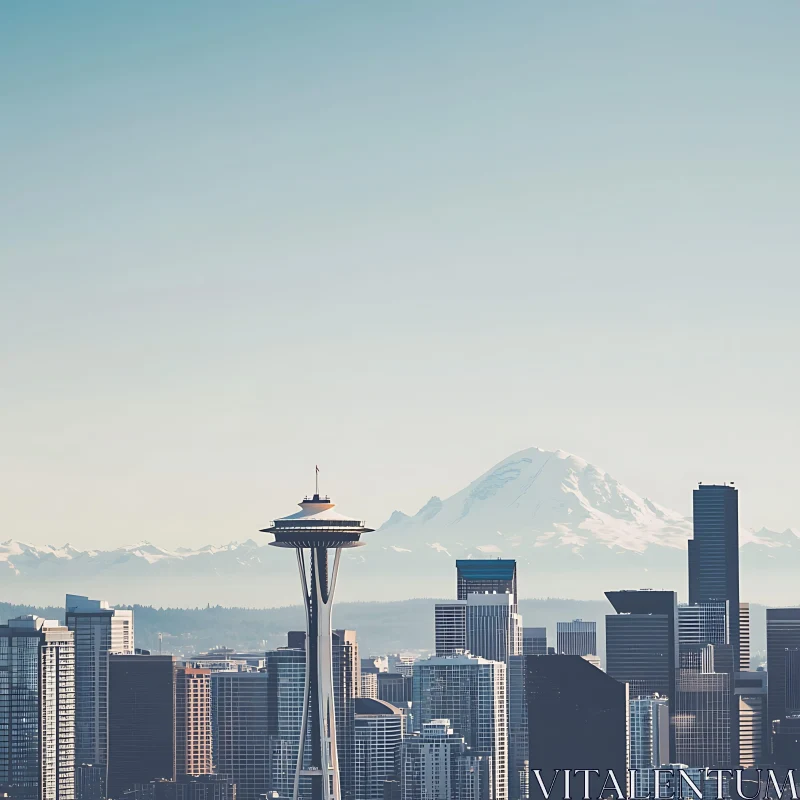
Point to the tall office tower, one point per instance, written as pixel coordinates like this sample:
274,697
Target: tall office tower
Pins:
395,688
703,623
750,695
369,684
379,729
437,764
450,624
702,719
576,638
744,637
792,680
286,681
37,710
577,714
318,529
642,641
714,552
471,692
346,683
494,628
193,721
518,765
346,672
141,721
534,641
783,632
649,740
98,630
241,716
486,575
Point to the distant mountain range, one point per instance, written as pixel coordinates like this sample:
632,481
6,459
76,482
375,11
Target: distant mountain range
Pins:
574,530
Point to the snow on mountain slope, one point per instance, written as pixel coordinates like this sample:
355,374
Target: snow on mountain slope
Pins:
574,530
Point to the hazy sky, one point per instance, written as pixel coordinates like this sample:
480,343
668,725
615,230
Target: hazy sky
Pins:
400,240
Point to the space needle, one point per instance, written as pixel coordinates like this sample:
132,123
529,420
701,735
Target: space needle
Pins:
318,529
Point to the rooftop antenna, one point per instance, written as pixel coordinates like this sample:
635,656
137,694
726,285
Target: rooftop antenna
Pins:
316,482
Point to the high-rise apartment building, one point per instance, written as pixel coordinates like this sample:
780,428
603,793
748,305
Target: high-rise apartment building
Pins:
37,710
241,717
577,714
450,624
369,684
744,637
141,721
494,628
649,740
480,575
346,684
576,638
518,765
714,552
379,730
193,721
471,692
642,641
702,719
783,632
98,630
750,695
534,641
438,764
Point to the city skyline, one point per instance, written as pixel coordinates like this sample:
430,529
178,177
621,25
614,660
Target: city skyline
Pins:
538,225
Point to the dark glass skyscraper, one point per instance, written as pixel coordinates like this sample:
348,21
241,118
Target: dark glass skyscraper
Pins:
714,552
141,721
486,575
783,633
577,715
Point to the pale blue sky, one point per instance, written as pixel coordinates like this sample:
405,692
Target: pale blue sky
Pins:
398,240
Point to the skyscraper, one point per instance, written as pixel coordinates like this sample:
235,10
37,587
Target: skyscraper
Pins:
369,684
534,641
744,637
649,740
438,764
318,529
750,695
98,630
141,721
37,710
395,688
471,693
576,638
450,624
517,729
241,716
577,715
783,632
486,575
702,719
792,680
379,729
193,721
642,641
494,628
714,552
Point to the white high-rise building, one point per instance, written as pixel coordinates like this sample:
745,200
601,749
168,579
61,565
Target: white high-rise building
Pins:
494,628
98,630
37,709
369,685
471,693
437,764
649,739
379,730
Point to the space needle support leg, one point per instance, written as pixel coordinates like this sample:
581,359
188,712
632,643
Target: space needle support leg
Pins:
331,788
301,565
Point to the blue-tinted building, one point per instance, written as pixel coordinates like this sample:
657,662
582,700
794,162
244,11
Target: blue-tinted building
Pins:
486,575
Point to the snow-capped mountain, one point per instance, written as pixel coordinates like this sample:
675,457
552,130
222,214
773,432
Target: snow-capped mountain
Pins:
574,530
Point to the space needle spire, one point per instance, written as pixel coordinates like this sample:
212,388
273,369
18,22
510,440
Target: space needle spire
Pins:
317,528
